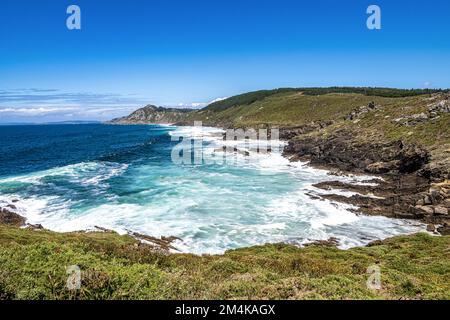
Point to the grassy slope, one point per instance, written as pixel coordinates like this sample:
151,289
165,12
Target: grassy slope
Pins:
287,109
114,267
293,109
296,108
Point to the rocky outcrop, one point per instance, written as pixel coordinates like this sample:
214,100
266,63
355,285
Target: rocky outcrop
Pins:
398,196
9,217
434,112
407,190
162,244
361,111
342,152
330,242
291,132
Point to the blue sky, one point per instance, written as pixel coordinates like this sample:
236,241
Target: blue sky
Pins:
190,52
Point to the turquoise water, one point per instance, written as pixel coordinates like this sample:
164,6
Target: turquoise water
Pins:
76,177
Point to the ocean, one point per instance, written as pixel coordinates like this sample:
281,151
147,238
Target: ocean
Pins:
78,176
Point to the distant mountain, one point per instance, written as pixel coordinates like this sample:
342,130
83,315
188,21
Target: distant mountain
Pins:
154,114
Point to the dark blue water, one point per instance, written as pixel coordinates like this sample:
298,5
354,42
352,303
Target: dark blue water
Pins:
26,149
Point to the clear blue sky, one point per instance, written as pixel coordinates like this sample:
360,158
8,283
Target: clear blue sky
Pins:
171,52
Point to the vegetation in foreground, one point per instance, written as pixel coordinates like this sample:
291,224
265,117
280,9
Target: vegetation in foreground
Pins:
33,266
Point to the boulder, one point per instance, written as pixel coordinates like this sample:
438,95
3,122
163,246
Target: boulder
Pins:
426,210
440,211
381,167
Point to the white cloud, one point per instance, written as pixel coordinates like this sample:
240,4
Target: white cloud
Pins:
218,99
35,111
196,105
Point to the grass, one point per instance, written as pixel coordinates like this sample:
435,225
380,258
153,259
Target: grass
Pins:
251,97
287,109
33,266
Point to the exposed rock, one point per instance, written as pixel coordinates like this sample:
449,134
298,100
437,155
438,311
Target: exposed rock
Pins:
331,242
359,112
289,133
420,202
431,227
427,210
35,226
434,112
400,196
11,218
104,229
163,244
340,151
444,229
382,167
442,106
440,211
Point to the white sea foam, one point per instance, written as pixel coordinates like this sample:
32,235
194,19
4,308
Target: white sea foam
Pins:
211,209
85,172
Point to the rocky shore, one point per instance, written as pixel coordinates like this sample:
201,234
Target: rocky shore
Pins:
408,187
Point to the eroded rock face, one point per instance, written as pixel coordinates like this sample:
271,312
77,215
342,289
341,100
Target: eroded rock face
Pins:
11,218
341,152
289,133
408,190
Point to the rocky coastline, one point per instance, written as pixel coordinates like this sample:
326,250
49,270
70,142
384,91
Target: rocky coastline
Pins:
407,187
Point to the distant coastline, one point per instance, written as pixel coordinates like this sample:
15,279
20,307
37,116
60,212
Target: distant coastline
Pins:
48,123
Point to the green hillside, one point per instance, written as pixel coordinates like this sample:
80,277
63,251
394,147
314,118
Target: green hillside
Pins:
33,266
287,109
251,97
291,109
